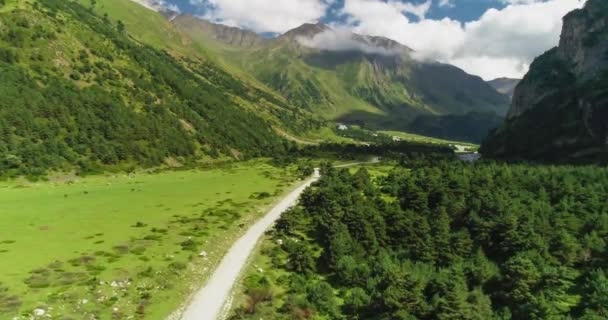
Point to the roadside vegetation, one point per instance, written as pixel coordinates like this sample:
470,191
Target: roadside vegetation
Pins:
438,240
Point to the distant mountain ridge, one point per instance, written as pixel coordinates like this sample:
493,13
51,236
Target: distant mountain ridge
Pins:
225,34
505,86
307,30
560,108
352,78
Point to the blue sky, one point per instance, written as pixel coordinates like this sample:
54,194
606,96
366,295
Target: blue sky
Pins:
489,38
464,10
461,10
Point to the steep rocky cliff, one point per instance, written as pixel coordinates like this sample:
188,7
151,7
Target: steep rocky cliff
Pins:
560,109
218,32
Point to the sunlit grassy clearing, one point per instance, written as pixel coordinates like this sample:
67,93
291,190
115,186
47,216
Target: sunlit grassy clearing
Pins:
55,238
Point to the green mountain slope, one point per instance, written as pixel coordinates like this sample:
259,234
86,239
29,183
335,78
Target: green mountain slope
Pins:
560,108
77,88
376,84
471,127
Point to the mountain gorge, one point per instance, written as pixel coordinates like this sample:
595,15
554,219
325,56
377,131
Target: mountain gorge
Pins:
505,85
92,85
559,110
355,79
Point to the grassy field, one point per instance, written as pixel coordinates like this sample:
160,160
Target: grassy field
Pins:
124,245
148,27
419,138
326,134
374,169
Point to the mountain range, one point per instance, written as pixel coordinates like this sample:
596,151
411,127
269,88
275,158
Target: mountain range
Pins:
110,83
355,79
560,108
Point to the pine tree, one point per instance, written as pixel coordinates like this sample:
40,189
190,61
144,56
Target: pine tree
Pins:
480,269
480,305
596,293
321,296
300,257
521,277
120,26
404,293
450,302
442,237
356,301
556,297
421,240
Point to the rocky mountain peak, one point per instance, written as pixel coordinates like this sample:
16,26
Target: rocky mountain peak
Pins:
229,35
382,42
582,55
559,109
323,37
307,30
583,40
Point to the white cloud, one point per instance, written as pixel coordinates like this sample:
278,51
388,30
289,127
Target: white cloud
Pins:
391,12
520,1
342,39
264,15
500,43
419,10
158,5
430,37
492,67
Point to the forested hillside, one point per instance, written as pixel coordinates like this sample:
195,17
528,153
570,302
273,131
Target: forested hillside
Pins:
77,91
440,240
472,127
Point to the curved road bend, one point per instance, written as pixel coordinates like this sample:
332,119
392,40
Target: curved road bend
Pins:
210,302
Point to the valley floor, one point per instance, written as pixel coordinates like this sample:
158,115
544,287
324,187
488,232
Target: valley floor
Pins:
124,245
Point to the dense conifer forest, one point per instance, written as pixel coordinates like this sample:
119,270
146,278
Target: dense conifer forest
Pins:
440,240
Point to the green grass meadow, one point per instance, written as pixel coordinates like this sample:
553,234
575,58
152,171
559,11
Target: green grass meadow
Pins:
120,246
418,138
